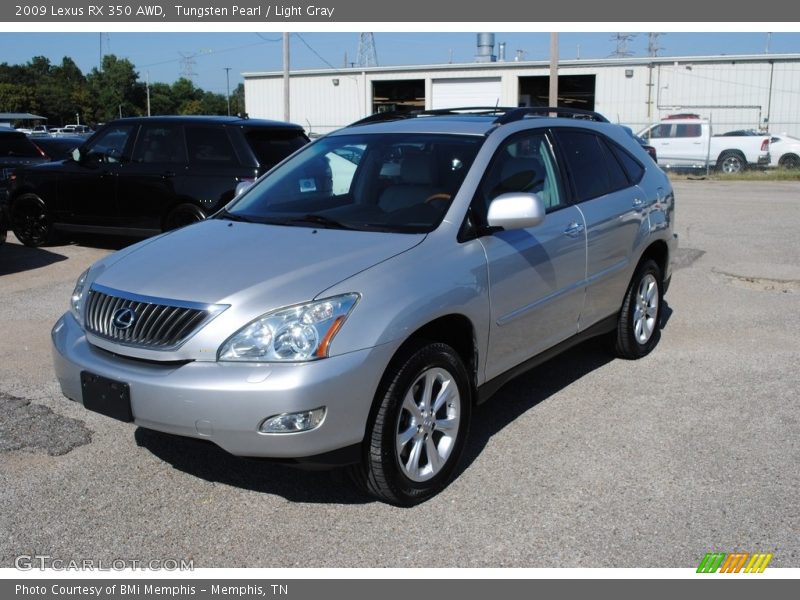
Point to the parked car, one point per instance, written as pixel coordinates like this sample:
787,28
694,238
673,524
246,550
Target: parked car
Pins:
142,176
16,150
686,141
348,316
59,148
785,151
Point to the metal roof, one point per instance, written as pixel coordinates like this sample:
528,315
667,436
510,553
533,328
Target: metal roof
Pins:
9,116
591,62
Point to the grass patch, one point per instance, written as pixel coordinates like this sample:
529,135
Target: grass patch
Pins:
749,175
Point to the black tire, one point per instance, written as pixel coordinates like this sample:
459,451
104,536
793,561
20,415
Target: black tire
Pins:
789,161
30,221
182,215
384,471
639,324
731,161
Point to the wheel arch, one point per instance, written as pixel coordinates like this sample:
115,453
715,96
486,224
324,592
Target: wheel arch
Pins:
658,251
455,330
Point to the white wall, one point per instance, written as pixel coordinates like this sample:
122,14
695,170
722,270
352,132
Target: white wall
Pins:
719,90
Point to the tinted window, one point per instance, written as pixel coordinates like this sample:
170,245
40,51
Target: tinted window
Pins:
617,177
691,130
632,167
210,146
591,173
271,147
160,143
17,146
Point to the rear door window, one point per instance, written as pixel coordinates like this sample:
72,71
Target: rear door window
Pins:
160,144
210,147
592,167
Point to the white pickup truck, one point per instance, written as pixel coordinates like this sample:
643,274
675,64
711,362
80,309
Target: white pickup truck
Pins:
687,142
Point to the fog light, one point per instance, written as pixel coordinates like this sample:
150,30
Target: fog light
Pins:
293,422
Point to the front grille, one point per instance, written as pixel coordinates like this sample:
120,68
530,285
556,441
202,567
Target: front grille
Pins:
153,323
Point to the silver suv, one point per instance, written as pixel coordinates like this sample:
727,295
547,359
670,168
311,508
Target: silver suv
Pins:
354,305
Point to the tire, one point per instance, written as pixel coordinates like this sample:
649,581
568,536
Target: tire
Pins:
30,221
411,451
731,162
182,215
789,161
638,327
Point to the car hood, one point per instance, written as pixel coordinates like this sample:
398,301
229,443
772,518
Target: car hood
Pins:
253,267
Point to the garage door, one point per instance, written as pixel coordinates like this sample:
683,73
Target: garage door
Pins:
452,93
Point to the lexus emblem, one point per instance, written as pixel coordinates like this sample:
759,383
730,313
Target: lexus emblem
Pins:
123,318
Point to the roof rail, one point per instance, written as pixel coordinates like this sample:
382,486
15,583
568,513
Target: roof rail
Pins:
507,114
396,115
517,114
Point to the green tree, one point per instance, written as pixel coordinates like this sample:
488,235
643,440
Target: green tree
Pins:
116,89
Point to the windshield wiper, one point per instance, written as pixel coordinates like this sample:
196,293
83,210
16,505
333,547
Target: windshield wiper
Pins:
320,220
226,214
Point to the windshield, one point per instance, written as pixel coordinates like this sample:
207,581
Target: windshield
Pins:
380,182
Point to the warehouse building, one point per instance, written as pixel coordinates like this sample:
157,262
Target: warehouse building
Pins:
759,92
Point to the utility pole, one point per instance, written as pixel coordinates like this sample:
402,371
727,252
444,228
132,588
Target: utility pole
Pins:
285,76
553,100
228,88
147,88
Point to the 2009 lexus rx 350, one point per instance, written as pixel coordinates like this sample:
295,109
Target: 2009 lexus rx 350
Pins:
355,304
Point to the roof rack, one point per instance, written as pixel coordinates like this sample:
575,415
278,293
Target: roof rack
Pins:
517,114
396,115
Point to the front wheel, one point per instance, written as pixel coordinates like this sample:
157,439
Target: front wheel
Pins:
638,327
419,424
30,221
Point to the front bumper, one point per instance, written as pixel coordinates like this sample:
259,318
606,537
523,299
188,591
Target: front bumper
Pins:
226,402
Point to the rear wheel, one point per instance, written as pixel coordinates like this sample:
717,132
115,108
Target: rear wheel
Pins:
30,220
183,214
638,328
731,162
789,161
420,422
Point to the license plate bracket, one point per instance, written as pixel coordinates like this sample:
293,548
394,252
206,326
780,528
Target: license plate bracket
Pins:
106,396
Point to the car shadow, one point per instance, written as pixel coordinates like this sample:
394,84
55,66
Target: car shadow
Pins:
16,258
203,459
209,462
530,389
103,242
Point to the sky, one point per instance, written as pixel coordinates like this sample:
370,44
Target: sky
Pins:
165,57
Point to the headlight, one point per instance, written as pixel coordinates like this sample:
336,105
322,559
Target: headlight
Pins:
296,333
76,301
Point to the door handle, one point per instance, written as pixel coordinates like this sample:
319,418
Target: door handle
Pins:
574,229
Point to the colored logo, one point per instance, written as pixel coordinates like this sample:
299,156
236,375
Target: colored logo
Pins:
734,563
123,318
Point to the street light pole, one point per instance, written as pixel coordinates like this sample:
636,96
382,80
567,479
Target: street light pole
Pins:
228,88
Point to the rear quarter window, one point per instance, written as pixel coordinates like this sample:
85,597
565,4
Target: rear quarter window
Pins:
271,147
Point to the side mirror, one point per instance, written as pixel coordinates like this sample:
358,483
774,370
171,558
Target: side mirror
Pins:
516,210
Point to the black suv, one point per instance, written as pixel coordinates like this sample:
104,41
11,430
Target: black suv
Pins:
141,176
16,150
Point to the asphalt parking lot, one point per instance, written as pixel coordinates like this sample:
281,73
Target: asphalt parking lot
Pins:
586,461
